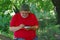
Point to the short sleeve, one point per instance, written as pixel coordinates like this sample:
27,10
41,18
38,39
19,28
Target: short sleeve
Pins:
13,21
35,21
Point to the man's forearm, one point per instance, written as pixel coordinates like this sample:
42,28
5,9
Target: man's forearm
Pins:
34,27
13,29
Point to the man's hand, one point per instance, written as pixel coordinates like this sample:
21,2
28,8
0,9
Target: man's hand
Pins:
27,27
21,25
33,28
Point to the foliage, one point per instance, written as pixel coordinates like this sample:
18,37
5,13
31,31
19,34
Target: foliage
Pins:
43,9
50,33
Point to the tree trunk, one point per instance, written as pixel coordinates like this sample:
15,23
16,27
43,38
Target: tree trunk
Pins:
57,5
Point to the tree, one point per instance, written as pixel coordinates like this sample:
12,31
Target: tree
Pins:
57,5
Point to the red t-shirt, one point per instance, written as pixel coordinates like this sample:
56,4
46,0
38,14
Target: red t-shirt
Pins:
29,21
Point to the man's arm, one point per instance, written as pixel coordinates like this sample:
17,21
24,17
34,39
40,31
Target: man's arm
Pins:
13,29
35,23
32,27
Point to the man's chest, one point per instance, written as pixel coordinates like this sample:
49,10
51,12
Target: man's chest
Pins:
27,21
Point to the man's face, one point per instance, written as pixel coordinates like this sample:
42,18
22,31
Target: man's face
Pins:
24,14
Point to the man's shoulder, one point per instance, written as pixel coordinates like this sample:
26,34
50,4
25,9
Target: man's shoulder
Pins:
16,14
32,14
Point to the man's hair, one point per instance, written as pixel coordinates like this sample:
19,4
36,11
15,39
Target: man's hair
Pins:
25,7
